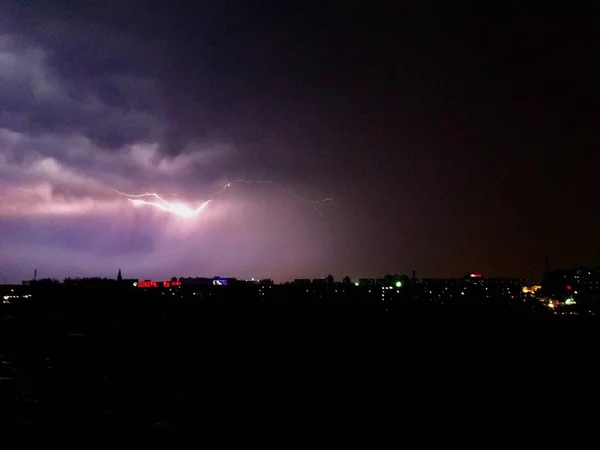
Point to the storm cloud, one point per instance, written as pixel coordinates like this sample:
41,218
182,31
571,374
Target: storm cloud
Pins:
89,107
420,122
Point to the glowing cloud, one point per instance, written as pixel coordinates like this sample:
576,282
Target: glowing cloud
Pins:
185,211
177,208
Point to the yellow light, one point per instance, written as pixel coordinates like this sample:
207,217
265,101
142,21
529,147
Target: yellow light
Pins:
531,289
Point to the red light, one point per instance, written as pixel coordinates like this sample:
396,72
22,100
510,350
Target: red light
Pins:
155,284
475,275
569,287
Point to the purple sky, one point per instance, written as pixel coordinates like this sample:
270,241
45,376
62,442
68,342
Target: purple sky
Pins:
449,140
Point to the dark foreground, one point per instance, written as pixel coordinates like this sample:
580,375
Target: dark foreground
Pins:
92,367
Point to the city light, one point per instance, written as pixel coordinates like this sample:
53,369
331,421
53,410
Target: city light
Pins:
156,284
531,289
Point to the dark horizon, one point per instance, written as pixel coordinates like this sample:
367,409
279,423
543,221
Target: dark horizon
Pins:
360,141
410,276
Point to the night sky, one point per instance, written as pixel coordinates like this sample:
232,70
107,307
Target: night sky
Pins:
450,139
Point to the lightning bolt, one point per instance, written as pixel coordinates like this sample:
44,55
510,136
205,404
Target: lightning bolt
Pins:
316,204
185,211
177,208
224,188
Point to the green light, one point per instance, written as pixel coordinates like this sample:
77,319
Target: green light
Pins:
398,284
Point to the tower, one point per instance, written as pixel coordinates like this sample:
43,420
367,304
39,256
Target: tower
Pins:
119,277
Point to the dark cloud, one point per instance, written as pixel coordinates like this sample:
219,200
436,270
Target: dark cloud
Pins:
130,74
36,100
423,122
185,75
